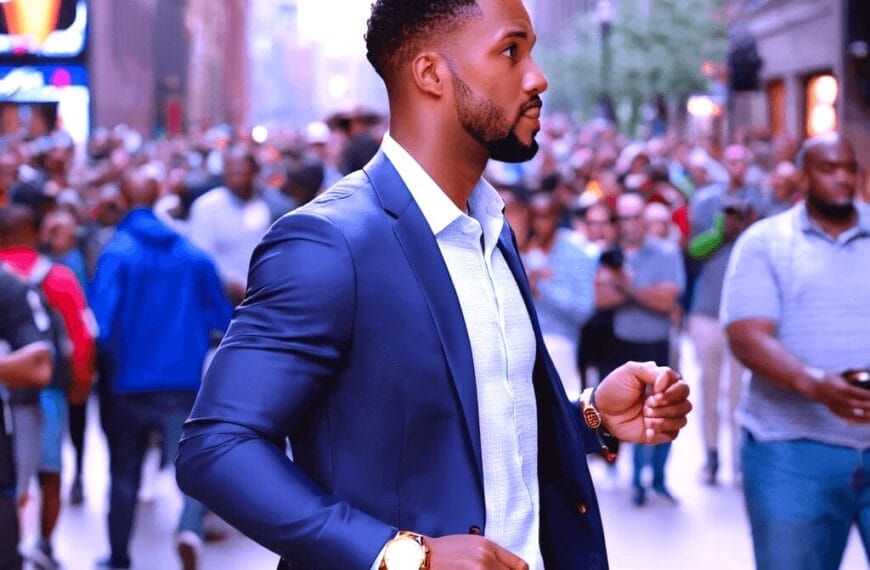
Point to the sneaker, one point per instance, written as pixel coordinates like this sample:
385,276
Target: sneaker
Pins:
663,492
76,493
188,544
638,497
41,556
709,474
106,564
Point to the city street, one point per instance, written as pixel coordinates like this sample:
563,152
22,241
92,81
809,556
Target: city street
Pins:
706,530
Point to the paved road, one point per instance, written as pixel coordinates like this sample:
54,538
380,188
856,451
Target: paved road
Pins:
706,530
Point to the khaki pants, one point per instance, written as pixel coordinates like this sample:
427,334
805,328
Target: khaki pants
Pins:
716,363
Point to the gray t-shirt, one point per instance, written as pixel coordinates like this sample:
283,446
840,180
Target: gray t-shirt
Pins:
708,285
656,262
787,270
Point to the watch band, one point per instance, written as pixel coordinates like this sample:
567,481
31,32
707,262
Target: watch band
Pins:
609,444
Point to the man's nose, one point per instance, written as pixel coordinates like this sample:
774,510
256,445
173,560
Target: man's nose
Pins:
535,80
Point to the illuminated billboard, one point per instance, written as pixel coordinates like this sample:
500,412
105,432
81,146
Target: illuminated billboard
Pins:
43,28
35,100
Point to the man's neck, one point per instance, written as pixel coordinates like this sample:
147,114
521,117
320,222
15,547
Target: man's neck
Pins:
631,247
454,170
244,195
735,185
833,227
547,242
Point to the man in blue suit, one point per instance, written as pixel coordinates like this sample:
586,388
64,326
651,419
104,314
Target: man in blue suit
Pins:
388,331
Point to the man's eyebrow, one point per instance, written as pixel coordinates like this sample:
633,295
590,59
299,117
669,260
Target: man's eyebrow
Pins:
518,33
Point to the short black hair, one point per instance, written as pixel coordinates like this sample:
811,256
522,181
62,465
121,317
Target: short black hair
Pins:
396,26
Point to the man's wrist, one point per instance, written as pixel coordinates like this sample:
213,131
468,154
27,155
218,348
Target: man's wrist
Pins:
406,551
811,378
595,422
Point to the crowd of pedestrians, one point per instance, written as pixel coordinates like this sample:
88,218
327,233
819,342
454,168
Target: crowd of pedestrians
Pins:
139,249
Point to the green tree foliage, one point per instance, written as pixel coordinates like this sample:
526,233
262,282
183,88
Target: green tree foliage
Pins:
654,47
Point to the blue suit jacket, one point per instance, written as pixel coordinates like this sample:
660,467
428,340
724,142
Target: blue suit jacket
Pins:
352,343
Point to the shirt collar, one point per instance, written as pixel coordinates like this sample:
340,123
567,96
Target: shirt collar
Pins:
860,229
484,204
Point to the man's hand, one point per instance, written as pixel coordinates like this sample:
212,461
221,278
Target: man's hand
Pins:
470,552
845,400
28,367
235,292
632,415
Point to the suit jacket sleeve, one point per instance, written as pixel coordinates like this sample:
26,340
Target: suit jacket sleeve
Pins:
282,350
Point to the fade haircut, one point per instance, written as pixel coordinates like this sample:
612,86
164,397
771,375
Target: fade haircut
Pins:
396,28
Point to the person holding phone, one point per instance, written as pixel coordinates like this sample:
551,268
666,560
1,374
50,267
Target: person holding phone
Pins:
793,305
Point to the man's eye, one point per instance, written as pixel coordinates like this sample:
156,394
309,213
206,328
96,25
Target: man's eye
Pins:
511,51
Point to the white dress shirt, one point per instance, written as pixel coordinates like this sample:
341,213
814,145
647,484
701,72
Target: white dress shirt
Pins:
228,229
502,347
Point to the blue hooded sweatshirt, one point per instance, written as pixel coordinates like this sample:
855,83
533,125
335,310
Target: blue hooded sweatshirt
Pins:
156,299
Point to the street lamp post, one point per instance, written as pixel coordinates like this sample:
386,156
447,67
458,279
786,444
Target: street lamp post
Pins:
604,15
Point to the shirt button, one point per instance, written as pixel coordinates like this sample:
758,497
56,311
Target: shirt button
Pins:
582,508
475,530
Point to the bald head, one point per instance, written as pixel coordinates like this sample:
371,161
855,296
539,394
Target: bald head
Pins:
821,144
139,191
18,226
830,173
630,223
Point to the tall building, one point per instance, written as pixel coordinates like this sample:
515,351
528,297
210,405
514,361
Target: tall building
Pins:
305,64
815,73
158,62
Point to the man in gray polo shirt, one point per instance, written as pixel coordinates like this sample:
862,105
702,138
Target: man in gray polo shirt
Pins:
795,304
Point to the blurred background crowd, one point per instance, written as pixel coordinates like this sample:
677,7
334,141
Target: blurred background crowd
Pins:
625,218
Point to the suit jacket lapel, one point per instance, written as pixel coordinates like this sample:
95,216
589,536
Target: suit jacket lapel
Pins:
509,251
424,256
563,417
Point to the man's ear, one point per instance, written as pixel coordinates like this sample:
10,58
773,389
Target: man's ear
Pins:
430,73
803,183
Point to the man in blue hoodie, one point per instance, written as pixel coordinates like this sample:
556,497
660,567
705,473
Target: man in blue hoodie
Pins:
156,299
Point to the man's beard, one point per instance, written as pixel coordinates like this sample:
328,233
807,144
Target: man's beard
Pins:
484,121
836,212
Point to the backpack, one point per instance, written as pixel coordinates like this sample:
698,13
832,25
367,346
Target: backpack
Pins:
50,322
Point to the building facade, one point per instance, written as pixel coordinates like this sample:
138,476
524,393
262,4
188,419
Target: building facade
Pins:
165,65
815,67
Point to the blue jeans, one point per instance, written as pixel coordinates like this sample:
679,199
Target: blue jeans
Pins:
655,456
132,419
802,498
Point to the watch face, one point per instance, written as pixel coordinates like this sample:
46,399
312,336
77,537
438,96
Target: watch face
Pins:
404,554
592,417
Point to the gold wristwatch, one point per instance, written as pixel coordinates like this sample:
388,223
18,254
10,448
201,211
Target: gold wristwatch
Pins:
592,417
406,551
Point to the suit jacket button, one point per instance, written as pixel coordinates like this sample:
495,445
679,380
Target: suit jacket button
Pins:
475,530
582,508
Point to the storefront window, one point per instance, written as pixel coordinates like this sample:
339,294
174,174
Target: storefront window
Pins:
822,91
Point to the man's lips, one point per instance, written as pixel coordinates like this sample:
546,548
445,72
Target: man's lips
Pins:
532,109
533,113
